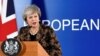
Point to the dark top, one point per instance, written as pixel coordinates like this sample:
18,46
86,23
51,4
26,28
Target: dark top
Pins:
33,37
46,37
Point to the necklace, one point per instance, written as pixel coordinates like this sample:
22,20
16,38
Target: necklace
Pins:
33,31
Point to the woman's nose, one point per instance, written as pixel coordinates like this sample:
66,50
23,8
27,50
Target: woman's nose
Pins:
33,19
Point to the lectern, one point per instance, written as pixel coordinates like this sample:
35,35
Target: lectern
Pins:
30,48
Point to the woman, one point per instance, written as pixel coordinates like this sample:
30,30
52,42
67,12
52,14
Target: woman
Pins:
35,31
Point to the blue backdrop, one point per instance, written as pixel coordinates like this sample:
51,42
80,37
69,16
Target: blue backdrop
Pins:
73,43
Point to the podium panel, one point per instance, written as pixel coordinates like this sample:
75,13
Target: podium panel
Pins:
30,48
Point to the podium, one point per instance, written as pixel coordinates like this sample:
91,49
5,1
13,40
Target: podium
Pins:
30,48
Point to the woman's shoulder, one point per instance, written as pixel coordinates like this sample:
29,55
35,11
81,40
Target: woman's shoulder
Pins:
25,28
47,28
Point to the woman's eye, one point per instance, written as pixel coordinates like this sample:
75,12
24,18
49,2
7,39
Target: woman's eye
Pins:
30,17
35,16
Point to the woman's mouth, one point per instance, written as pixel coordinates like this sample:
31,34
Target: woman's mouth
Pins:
34,23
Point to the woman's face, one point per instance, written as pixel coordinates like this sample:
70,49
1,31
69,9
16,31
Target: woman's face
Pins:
33,20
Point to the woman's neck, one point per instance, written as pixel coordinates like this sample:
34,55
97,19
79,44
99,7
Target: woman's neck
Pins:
34,31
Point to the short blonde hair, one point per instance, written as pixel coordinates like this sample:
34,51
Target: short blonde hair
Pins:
31,10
